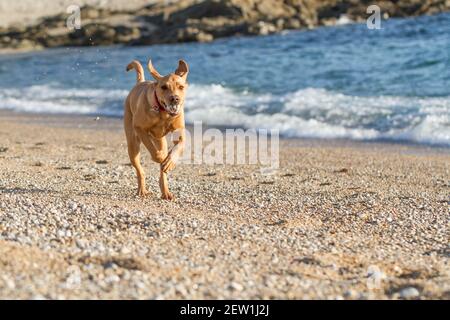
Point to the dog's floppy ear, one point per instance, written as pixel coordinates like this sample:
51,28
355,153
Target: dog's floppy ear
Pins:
153,71
183,69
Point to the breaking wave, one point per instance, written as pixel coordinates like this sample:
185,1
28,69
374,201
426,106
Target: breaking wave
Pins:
313,113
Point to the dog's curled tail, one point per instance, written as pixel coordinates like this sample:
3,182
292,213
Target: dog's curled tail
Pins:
140,76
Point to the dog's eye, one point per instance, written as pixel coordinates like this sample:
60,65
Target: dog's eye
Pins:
164,87
181,87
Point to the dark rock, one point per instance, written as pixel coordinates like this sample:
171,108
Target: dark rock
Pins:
5,40
293,23
24,44
126,34
56,21
94,34
53,42
335,10
270,10
208,9
190,34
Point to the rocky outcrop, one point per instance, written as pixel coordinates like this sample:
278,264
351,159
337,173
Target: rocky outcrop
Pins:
203,21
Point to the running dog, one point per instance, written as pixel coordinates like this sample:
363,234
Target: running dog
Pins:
153,109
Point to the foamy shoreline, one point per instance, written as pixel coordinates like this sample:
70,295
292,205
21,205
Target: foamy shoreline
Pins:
305,113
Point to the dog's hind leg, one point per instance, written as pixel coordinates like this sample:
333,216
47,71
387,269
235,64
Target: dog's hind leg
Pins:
134,146
134,153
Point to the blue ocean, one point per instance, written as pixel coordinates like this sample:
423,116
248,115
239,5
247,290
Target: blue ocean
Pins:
346,81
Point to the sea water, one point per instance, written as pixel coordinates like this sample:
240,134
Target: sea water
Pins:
333,82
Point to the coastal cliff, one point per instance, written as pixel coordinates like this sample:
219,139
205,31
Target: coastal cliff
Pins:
200,21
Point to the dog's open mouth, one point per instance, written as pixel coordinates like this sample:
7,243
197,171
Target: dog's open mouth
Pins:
172,109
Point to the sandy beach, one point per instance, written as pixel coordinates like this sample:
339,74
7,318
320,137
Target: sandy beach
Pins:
339,220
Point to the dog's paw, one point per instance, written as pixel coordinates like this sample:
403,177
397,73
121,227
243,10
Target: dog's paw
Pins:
143,193
169,163
167,196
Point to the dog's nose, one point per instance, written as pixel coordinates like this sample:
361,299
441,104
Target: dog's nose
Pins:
175,99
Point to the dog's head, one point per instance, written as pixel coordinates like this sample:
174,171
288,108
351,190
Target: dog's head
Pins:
171,89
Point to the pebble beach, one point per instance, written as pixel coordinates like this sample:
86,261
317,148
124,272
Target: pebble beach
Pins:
338,220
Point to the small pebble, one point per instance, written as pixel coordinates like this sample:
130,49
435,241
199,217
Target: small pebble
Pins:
408,293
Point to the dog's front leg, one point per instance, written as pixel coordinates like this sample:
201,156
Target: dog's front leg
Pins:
158,151
164,186
170,162
176,152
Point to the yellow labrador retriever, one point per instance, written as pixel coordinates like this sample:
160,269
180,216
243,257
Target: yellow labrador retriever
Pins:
152,110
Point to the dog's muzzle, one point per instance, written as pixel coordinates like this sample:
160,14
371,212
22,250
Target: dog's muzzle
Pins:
172,109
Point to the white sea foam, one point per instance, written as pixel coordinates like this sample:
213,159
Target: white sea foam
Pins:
305,113
53,99
325,114
344,20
